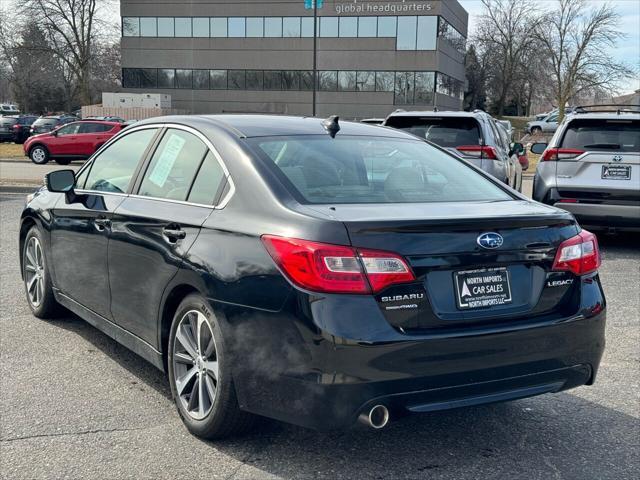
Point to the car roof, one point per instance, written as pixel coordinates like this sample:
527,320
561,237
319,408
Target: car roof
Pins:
255,125
623,115
101,122
443,113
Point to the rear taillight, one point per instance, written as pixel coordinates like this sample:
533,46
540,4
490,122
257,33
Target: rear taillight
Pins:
579,254
16,127
478,151
322,267
555,154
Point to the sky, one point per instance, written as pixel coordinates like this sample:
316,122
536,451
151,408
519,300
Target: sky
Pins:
627,50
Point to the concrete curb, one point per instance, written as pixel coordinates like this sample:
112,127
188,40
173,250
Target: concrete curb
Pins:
19,189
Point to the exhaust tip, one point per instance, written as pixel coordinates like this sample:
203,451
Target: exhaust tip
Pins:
377,417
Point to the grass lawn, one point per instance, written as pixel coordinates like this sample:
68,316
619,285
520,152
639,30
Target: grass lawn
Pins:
11,150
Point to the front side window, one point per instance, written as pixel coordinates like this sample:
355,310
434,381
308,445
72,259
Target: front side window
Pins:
94,127
173,166
113,169
70,129
321,170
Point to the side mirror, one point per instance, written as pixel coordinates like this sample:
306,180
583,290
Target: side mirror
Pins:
54,133
61,181
538,148
517,148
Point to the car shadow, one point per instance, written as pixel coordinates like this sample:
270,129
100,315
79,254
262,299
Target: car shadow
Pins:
552,436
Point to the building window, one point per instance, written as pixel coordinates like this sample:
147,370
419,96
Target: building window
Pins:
403,94
385,81
148,27
291,27
273,27
307,27
451,35
328,81
366,81
347,81
166,27
219,27
387,26
255,79
425,87
201,27
273,80
218,79
183,27
130,78
328,26
348,27
184,79
306,80
148,78
255,27
237,27
130,27
450,86
201,79
427,33
407,30
368,27
237,80
290,80
166,78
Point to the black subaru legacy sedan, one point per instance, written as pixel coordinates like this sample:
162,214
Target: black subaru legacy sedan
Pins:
314,271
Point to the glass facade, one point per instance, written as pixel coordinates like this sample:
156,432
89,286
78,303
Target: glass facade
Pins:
411,32
451,35
409,88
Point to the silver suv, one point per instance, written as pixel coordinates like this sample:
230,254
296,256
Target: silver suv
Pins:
591,167
474,136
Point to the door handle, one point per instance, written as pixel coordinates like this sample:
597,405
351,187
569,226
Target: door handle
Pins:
102,224
173,233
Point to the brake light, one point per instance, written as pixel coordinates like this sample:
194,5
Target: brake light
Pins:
478,151
555,154
579,254
16,126
322,267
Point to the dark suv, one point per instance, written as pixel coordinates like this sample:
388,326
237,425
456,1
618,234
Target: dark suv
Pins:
46,124
16,128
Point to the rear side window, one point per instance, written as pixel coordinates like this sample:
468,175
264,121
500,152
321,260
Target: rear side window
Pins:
113,169
94,127
45,121
446,132
207,183
173,166
607,135
319,169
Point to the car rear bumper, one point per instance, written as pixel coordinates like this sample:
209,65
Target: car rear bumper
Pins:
604,215
320,378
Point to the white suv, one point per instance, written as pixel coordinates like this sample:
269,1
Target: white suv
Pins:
591,167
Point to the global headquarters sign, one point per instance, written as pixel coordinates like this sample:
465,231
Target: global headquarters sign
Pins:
373,7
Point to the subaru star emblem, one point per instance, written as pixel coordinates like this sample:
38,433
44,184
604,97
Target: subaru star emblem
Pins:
490,240
617,158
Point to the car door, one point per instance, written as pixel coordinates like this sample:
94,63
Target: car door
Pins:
65,140
80,230
551,123
90,135
154,229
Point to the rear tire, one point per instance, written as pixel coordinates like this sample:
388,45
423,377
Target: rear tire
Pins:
39,154
37,281
200,376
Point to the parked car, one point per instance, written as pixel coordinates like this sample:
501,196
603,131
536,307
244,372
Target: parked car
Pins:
591,167
506,124
6,128
107,118
49,123
548,123
21,128
74,141
9,109
474,136
253,259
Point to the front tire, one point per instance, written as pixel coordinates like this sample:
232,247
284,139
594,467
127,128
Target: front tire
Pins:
199,373
39,155
37,281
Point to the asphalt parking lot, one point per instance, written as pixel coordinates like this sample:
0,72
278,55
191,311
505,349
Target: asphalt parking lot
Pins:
74,404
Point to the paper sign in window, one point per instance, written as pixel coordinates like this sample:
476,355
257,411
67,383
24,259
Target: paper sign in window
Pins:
167,158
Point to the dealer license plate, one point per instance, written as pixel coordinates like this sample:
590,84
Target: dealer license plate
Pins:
487,287
616,172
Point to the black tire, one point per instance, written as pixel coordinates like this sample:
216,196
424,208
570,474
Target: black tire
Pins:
223,417
39,154
62,161
46,305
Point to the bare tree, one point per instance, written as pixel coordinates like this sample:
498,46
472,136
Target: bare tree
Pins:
73,28
577,42
505,32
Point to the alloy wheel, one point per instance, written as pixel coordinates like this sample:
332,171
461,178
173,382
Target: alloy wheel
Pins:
34,271
38,154
195,364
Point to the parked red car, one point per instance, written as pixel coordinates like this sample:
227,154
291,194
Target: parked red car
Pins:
74,141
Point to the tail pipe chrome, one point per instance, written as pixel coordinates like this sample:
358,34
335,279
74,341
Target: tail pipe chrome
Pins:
377,417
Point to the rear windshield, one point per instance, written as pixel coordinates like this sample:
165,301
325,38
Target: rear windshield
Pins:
45,121
348,169
607,135
446,132
27,120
